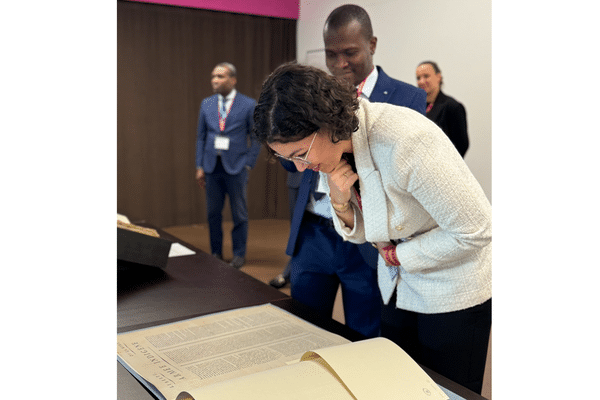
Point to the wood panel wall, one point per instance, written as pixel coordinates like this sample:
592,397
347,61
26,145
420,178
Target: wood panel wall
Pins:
165,56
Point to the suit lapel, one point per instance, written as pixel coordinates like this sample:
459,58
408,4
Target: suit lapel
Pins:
213,111
383,89
438,105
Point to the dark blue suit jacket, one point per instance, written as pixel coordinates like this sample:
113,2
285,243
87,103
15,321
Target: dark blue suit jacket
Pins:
387,90
243,148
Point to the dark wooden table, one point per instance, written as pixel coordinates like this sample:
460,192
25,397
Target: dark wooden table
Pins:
189,285
200,284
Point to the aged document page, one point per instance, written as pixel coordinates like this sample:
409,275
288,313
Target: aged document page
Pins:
369,369
378,369
299,381
173,358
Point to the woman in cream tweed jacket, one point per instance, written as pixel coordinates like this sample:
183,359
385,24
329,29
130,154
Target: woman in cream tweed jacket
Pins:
395,180
414,185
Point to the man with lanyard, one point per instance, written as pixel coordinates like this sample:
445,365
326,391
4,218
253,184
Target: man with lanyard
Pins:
321,260
225,153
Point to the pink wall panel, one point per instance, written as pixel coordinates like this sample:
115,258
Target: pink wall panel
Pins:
272,8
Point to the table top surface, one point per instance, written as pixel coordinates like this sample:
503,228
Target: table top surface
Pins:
200,284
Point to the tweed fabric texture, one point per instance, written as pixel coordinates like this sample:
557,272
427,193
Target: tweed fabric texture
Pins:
415,185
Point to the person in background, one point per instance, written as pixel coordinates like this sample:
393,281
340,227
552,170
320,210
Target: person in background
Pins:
446,112
394,180
321,260
225,153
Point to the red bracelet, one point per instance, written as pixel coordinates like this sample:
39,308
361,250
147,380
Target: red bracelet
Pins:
389,255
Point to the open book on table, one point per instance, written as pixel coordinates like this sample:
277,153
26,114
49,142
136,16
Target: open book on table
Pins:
264,352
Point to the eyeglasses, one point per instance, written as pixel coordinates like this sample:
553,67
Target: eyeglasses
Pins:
303,160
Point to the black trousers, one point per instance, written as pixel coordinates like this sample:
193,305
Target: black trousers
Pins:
452,344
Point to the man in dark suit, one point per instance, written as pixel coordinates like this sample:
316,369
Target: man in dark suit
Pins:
225,153
321,260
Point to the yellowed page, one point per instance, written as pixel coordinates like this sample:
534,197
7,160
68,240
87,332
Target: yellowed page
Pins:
378,369
202,351
307,380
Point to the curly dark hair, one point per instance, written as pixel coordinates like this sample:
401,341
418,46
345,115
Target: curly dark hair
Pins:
297,100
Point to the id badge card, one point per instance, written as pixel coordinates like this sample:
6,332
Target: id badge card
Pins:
221,142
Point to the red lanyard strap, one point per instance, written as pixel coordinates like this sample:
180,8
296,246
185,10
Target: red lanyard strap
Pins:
223,118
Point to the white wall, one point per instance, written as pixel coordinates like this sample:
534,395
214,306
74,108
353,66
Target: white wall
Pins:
456,34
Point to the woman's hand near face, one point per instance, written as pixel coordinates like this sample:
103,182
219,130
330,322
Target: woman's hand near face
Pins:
340,182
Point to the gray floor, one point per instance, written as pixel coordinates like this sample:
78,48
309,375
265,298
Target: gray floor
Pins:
266,258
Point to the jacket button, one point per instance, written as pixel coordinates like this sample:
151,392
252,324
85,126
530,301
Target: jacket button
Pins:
399,227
